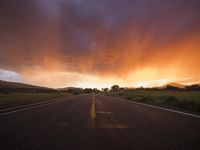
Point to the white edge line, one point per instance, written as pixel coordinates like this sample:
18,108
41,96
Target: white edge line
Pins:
27,105
29,108
174,111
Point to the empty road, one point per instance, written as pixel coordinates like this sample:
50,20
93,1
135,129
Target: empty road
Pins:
97,122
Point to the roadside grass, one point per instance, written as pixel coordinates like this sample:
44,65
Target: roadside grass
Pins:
189,101
7,100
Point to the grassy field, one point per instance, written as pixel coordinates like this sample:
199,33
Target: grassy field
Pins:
27,98
189,101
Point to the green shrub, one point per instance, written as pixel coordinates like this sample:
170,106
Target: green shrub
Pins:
198,107
146,99
129,97
185,104
169,100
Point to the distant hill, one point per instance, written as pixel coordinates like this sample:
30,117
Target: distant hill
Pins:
69,88
73,90
6,86
174,84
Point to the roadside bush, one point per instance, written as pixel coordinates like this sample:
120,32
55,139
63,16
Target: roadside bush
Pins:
169,100
146,99
120,94
198,107
129,98
189,105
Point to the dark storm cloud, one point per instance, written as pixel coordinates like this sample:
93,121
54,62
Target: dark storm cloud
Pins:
93,36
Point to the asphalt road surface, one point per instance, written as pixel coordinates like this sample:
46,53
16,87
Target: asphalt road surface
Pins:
97,122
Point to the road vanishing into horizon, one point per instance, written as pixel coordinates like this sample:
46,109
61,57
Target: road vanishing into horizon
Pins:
97,122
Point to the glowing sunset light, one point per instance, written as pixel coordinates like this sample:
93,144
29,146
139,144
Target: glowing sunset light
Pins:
97,44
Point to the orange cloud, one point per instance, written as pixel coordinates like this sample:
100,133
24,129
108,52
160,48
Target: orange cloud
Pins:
102,43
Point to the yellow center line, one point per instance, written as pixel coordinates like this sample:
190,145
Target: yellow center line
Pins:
93,108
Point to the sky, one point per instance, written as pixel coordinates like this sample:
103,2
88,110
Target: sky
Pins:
98,43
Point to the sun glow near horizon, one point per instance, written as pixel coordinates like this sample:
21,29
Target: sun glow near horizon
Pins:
56,79
150,46
65,79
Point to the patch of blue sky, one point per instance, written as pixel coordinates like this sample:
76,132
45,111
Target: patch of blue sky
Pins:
7,75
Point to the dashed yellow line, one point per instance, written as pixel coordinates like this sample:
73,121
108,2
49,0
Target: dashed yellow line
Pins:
93,108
